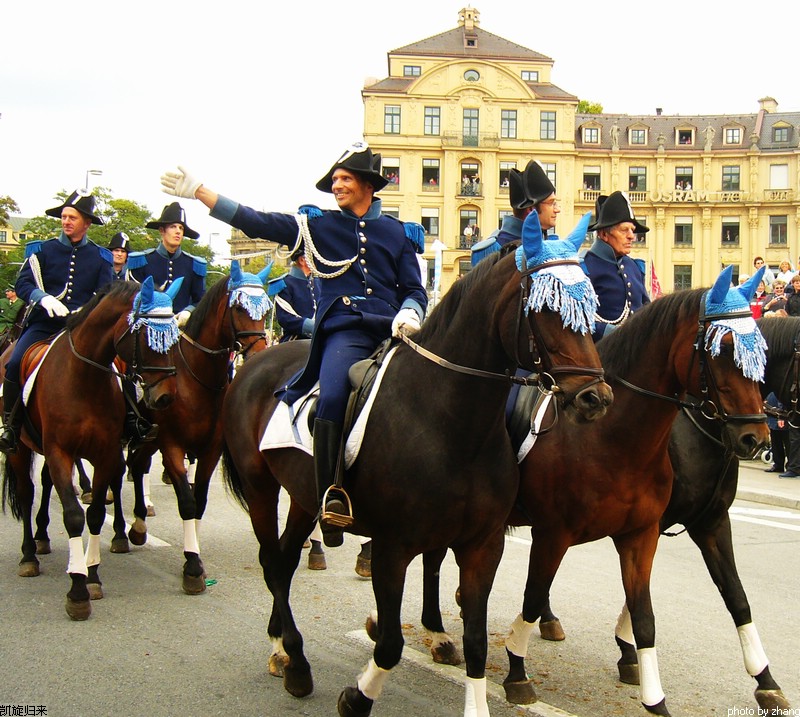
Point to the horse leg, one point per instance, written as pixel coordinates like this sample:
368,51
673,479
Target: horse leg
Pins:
43,514
549,625
84,483
78,604
636,552
443,649
388,578
364,559
18,491
119,543
138,530
716,545
546,554
316,554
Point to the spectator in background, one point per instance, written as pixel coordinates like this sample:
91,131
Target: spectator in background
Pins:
793,299
779,436
769,277
777,300
785,272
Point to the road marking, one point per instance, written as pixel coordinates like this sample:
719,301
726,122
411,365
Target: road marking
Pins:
759,516
152,541
767,512
769,523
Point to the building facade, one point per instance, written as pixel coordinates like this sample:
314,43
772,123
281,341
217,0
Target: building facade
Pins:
460,109
12,234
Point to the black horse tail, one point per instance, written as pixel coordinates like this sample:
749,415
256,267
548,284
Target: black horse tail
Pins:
233,481
10,497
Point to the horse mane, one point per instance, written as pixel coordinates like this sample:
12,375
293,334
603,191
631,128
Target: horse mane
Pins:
123,290
624,347
780,334
204,308
439,320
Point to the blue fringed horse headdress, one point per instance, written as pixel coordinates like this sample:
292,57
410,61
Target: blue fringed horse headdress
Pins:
557,282
728,310
153,309
247,290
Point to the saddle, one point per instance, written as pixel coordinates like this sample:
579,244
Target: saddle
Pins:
362,376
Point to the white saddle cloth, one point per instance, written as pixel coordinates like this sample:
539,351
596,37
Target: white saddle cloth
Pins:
288,426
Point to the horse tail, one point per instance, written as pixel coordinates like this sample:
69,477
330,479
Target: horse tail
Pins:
10,497
233,481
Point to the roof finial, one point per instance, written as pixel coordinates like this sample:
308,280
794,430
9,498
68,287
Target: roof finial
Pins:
469,18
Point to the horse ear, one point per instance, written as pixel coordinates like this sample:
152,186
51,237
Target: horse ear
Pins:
236,272
532,235
263,275
721,286
578,235
174,288
146,292
748,289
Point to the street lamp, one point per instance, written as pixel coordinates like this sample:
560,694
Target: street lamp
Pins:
97,172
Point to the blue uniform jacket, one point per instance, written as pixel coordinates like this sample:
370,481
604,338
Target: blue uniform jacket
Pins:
165,268
77,271
383,278
299,296
618,281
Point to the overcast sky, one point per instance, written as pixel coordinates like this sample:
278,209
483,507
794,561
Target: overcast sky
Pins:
257,99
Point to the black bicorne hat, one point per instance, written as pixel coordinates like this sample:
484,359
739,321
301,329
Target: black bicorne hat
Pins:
357,158
529,187
615,209
82,201
173,214
119,241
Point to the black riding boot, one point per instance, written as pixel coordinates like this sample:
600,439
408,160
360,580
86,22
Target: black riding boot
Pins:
12,417
335,507
137,428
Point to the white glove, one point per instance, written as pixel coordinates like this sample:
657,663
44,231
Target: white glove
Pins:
53,306
180,183
182,317
406,322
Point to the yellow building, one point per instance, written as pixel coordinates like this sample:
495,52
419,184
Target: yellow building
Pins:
459,109
11,233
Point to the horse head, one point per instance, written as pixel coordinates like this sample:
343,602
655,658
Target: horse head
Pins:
560,304
145,341
249,305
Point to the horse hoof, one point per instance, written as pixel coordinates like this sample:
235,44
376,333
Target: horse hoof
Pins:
136,537
86,498
316,561
371,626
352,703
364,567
95,591
552,630
120,545
79,610
28,570
277,664
520,693
43,547
772,702
446,653
194,584
660,708
297,682
629,674
151,511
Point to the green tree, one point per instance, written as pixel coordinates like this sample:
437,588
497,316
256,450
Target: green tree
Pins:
587,107
7,207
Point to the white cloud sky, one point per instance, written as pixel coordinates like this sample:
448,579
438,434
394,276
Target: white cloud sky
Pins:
257,99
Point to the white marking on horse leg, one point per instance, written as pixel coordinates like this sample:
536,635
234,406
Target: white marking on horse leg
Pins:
519,637
146,489
77,560
755,659
277,647
316,534
649,679
475,702
372,679
191,471
93,551
438,639
190,544
624,628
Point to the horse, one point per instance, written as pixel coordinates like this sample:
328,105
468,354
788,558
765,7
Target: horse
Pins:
228,321
618,484
435,435
76,409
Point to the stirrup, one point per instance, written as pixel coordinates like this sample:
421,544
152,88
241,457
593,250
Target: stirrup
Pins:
336,520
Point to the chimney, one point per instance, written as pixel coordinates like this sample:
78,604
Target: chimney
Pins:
658,111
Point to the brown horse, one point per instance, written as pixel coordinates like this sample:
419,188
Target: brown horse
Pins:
228,321
75,410
436,468
614,478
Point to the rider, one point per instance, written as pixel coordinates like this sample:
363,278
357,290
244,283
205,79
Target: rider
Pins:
296,303
618,278
59,276
10,306
370,288
528,191
118,246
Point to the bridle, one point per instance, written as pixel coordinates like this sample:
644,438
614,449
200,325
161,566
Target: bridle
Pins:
707,407
545,372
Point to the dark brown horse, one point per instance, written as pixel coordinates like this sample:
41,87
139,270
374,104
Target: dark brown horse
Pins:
228,321
613,477
436,468
76,409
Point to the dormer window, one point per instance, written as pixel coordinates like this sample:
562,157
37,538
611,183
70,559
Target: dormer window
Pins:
733,135
780,134
591,135
412,70
684,137
470,42
638,136
530,75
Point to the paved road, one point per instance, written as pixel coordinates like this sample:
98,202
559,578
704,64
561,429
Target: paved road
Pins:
148,649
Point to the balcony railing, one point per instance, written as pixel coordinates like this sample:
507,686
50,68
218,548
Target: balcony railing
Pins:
482,139
428,187
470,189
463,243
589,195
